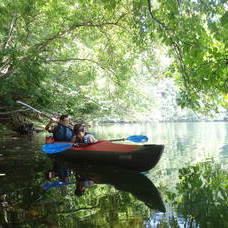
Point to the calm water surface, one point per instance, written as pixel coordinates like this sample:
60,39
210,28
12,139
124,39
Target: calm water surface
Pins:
188,188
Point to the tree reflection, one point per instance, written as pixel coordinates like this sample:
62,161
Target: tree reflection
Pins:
202,195
119,197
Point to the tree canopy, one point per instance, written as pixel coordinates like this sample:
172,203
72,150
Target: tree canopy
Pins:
82,57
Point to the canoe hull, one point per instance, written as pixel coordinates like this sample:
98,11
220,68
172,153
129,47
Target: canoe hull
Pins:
137,158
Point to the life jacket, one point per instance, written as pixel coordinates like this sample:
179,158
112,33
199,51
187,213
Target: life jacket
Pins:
85,139
63,133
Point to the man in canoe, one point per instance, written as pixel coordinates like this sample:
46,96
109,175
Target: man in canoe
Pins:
62,131
81,136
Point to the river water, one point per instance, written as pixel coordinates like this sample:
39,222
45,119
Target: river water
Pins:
188,187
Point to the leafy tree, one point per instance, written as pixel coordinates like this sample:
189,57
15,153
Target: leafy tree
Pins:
196,33
55,52
201,195
80,57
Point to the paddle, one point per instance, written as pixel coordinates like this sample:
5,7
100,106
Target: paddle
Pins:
36,110
28,106
55,184
133,138
53,148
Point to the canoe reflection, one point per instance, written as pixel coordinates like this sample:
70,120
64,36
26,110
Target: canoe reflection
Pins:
86,176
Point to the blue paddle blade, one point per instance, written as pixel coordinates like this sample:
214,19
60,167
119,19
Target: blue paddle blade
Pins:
54,184
53,148
138,138
145,172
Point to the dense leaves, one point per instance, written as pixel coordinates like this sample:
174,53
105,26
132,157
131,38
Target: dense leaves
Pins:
195,32
81,57
202,193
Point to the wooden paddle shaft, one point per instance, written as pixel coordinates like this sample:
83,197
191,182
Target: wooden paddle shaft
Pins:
36,110
28,106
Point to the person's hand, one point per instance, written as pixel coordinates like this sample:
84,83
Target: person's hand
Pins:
92,139
53,120
76,145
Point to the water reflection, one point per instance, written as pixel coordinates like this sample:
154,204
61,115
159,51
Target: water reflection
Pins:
224,151
20,189
85,176
197,199
200,198
115,196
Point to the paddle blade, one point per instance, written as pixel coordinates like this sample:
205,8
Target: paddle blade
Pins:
55,184
137,138
53,148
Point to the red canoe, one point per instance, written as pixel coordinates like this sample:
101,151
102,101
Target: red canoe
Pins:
133,157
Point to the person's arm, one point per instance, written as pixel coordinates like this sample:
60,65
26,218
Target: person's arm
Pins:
92,139
49,127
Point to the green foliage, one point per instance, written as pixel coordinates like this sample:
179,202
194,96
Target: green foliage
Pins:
202,194
56,54
196,33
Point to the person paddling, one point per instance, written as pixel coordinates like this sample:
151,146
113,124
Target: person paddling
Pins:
63,130
81,136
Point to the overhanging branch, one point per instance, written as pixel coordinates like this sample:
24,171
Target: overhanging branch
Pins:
174,43
10,33
41,46
79,59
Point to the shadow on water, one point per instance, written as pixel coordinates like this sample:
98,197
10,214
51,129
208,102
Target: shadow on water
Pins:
139,185
116,196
